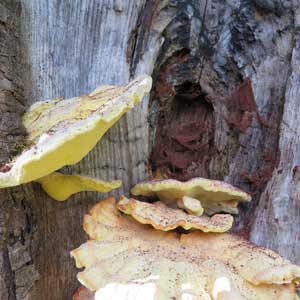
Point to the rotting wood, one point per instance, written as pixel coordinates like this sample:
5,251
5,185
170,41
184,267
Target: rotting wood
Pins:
70,48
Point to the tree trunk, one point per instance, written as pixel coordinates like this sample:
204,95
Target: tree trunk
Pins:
224,105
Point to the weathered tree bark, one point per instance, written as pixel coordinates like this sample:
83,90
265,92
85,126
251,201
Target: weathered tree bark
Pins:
202,117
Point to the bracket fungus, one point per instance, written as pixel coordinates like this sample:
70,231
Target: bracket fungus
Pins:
124,259
60,186
191,205
62,132
215,196
164,218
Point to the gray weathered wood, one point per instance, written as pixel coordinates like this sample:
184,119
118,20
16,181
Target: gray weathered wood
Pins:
194,124
71,49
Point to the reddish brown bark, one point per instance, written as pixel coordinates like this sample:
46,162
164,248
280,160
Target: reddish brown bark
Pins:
203,118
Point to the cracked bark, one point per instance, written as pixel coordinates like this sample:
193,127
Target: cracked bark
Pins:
224,105
17,271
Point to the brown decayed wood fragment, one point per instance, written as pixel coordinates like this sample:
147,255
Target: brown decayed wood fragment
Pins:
184,139
84,294
242,107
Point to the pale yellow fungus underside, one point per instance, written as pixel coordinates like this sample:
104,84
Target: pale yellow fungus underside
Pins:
199,266
62,132
191,205
164,218
60,186
215,196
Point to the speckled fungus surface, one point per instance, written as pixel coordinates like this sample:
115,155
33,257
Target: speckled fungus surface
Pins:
60,186
164,218
62,132
215,196
127,260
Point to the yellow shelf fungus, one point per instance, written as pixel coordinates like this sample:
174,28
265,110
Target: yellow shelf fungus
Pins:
164,218
60,186
191,205
214,196
62,132
127,260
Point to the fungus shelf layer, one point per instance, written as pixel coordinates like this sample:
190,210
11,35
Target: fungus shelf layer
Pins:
165,218
62,132
215,196
124,259
60,186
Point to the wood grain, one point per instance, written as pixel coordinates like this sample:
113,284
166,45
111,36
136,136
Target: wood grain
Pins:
199,53
73,47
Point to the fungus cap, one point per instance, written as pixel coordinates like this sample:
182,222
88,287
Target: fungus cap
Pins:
164,218
215,196
139,260
191,205
62,132
60,186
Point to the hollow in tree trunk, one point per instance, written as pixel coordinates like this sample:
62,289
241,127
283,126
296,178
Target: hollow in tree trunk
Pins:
224,105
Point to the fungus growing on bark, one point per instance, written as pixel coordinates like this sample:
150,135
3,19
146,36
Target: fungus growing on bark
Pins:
191,205
127,260
164,218
60,186
62,132
215,196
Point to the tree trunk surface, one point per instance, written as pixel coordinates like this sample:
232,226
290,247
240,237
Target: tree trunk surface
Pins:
224,105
